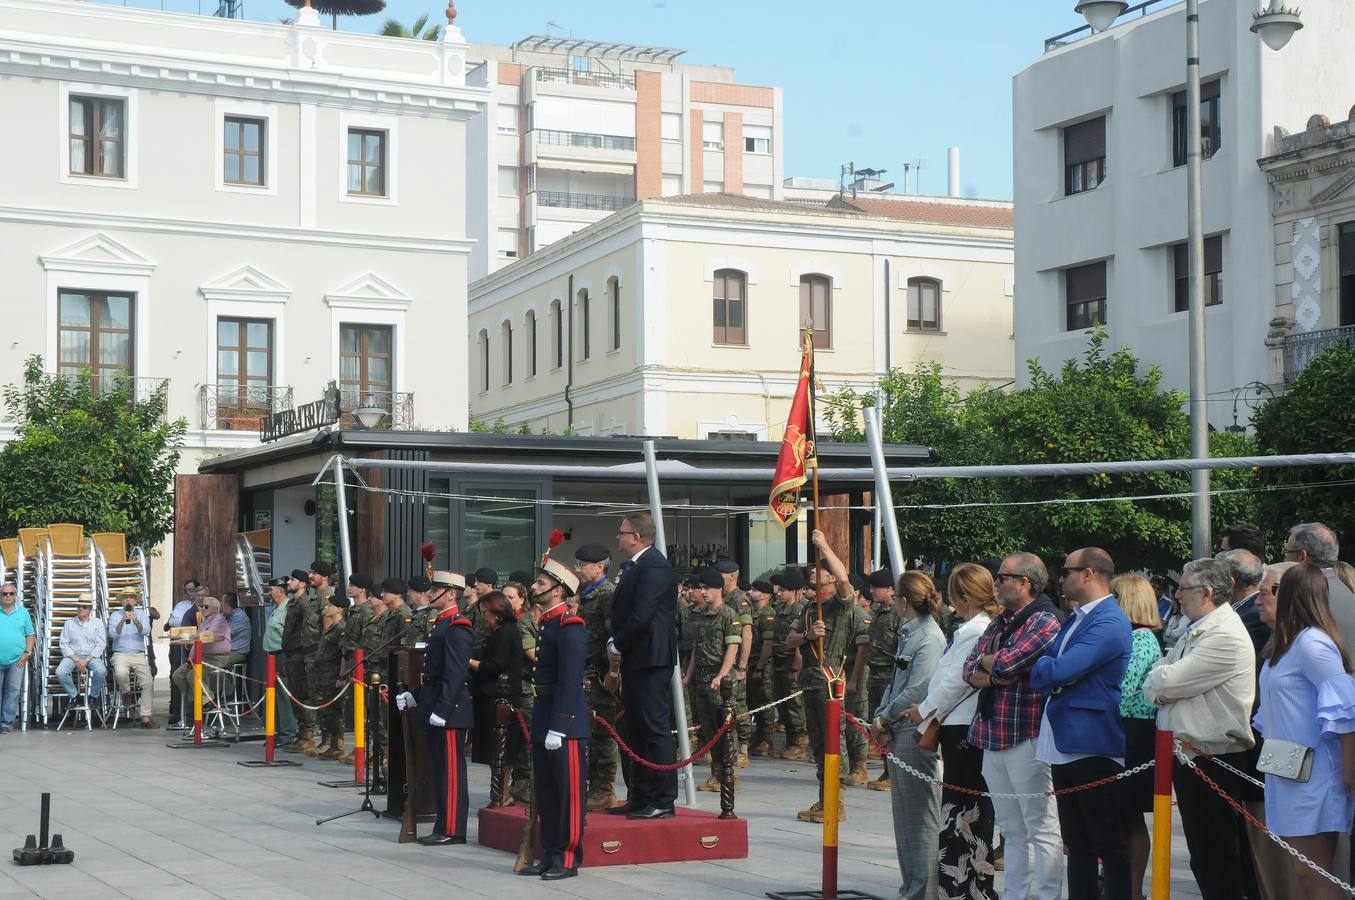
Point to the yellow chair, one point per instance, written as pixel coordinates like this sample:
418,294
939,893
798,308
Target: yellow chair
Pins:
261,539
9,548
67,540
112,544
33,540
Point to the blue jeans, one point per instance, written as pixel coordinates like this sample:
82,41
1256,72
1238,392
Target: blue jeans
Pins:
11,682
98,672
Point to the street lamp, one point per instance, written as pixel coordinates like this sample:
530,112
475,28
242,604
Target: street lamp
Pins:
1276,25
369,415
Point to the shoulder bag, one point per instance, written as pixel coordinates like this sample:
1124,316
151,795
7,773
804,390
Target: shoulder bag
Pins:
1286,759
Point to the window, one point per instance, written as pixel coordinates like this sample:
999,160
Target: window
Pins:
98,137
614,289
670,128
531,343
1084,155
244,364
730,318
731,436
507,119
586,312
1211,126
713,135
483,341
924,304
557,313
1085,290
94,331
508,181
508,243
1213,273
1346,261
243,152
816,309
714,187
757,139
366,162
506,337
366,365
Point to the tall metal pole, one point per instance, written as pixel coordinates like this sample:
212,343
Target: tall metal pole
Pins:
884,504
679,705
341,500
1201,541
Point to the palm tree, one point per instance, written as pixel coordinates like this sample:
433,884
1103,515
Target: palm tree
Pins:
419,30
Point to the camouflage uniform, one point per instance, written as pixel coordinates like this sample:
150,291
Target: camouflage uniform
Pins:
420,624
299,638
595,608
685,611
522,762
330,655
784,682
712,632
855,703
372,638
845,624
760,682
884,639
739,601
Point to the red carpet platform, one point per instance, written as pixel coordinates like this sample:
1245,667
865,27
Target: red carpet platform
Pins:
618,841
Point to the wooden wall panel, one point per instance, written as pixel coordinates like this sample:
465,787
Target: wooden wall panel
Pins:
206,514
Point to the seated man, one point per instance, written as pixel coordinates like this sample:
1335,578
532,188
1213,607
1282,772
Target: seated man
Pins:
215,635
83,639
127,630
242,636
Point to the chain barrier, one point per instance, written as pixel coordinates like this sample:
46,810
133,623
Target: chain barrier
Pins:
665,767
767,706
1256,823
1221,764
335,699
973,792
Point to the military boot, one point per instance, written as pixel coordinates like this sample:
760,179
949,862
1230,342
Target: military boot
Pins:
603,798
520,790
348,757
815,813
307,738
795,751
296,746
313,749
857,775
711,784
334,750
762,748
881,783
741,761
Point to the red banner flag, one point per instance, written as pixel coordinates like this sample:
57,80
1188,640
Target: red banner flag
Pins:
797,444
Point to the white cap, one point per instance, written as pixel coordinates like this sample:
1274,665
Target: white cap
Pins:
561,573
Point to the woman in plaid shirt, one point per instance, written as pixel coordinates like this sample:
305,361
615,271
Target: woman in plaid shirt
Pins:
1007,724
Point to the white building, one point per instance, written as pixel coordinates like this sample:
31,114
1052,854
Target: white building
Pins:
246,211
680,316
575,130
1100,184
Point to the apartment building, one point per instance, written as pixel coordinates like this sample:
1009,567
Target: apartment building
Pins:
242,211
1100,151
575,130
680,316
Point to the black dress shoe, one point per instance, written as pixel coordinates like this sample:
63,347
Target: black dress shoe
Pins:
438,840
555,873
623,810
535,868
652,812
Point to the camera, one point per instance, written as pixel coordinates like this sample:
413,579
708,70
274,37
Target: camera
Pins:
128,607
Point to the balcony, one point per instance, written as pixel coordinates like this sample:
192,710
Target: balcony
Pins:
397,408
569,200
236,407
549,137
139,390
1300,349
585,79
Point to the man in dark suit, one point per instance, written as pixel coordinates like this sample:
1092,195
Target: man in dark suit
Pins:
644,637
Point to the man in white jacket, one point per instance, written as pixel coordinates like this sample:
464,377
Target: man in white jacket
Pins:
1204,690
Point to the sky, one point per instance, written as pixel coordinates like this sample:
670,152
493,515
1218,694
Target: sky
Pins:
877,83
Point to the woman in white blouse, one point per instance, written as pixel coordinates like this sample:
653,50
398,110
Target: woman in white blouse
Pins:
966,838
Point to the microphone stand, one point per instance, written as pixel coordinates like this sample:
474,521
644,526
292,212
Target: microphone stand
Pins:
375,759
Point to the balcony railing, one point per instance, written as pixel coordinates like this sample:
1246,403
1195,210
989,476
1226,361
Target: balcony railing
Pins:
241,407
397,408
588,79
1085,31
569,200
1300,349
584,139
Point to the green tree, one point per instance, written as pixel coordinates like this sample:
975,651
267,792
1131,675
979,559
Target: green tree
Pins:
420,30
1316,415
91,453
1236,501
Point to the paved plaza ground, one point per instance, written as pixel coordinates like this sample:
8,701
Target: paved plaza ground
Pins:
147,821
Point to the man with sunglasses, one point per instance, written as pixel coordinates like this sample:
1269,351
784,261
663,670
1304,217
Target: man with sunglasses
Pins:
16,649
177,653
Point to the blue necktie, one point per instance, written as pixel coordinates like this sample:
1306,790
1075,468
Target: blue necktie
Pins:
629,564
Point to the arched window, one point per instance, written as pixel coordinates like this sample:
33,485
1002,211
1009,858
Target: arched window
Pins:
556,313
924,304
816,308
531,343
586,314
506,336
730,316
484,360
614,293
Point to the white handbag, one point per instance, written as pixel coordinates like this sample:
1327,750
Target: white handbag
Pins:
1287,759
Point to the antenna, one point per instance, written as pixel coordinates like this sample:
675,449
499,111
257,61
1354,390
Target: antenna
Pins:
907,167
918,184
556,25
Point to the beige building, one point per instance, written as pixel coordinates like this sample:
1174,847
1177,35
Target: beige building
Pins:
679,316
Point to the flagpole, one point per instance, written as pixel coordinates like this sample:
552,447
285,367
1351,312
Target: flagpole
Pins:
814,438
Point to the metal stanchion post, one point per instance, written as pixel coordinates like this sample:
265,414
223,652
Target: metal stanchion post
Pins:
1162,816
497,772
270,719
197,692
360,718
832,767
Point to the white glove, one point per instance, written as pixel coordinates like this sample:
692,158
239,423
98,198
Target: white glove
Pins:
554,740
436,720
405,700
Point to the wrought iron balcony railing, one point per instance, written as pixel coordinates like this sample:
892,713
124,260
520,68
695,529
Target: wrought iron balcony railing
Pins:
569,200
241,407
588,79
1302,347
584,139
396,408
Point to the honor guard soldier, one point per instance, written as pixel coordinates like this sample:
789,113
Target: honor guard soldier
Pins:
595,608
560,725
300,636
444,704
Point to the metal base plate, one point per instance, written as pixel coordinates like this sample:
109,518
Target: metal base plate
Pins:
206,743
265,764
842,894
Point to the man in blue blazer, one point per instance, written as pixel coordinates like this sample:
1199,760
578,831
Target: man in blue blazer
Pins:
1081,737
644,636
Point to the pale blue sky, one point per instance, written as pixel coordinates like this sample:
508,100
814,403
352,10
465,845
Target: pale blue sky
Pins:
877,82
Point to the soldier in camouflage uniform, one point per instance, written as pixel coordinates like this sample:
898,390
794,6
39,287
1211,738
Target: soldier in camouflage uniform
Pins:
359,609
600,681
316,595
299,637
331,657
786,661
735,597
759,675
884,640
845,641
717,634
420,610
372,639
857,697
520,787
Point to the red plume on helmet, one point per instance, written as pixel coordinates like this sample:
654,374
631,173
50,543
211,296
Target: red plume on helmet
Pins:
557,537
428,551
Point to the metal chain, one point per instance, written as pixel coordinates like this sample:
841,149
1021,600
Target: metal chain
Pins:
767,706
1190,764
336,698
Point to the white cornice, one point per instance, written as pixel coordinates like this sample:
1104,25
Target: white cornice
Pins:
100,254
369,291
456,246
248,284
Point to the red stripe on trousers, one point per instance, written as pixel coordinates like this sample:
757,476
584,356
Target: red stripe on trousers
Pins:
449,821
572,794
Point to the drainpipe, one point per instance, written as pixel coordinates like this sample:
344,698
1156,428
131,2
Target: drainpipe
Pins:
889,328
569,373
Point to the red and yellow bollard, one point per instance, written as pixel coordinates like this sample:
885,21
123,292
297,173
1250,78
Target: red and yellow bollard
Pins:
832,789
197,692
1162,816
359,718
270,708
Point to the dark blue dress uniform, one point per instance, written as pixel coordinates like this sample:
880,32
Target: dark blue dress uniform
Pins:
561,776
446,661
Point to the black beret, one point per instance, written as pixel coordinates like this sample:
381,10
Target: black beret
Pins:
592,553
420,583
361,580
708,577
858,582
880,578
521,576
726,567
320,567
300,574
792,580
277,582
394,586
762,586
486,575
340,600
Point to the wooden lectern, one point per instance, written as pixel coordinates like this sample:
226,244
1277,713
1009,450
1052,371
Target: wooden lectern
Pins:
409,796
